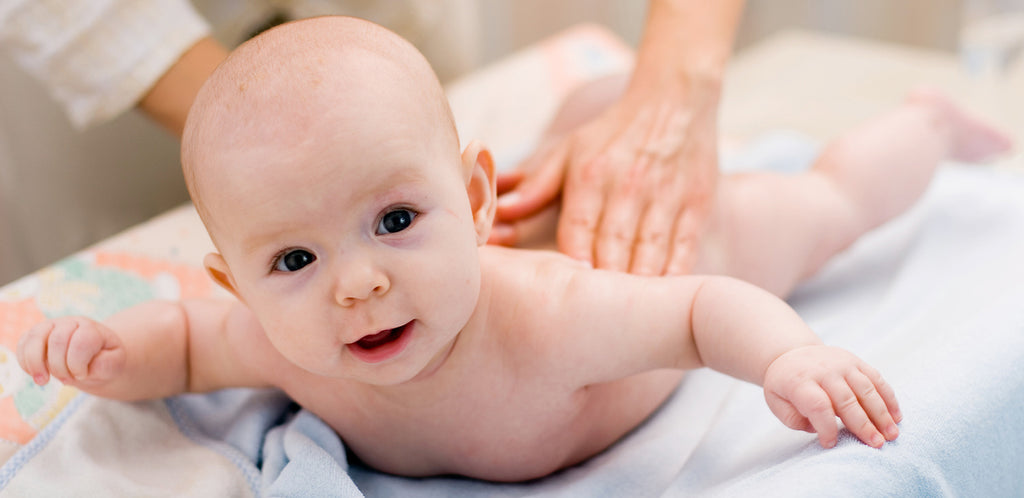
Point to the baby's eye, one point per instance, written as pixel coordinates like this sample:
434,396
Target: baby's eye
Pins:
294,260
395,221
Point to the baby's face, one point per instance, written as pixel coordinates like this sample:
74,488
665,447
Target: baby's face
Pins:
356,248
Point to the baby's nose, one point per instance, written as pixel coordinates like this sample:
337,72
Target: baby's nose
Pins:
359,282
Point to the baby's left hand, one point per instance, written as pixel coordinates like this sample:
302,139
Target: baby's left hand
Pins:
806,388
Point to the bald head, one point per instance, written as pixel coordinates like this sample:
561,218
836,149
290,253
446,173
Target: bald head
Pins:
275,95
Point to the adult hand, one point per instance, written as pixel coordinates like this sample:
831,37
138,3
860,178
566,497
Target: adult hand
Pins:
639,180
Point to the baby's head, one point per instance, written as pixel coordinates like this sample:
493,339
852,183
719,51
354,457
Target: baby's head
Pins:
324,162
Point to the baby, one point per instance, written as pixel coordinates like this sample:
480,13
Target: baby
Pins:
323,160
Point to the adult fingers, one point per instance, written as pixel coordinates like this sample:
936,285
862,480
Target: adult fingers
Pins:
538,188
503,234
651,250
507,180
683,245
582,208
620,219
616,231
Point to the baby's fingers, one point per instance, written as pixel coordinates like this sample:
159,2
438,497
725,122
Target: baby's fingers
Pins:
57,347
32,352
83,349
878,400
814,403
885,391
846,396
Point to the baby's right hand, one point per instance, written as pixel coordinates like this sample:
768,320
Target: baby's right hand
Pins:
76,350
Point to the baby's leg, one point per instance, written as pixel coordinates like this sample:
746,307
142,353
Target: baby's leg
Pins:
884,166
775,230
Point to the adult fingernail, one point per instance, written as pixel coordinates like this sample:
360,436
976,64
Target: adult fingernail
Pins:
508,199
502,234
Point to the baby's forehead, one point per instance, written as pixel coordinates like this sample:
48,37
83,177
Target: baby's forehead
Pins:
279,92
305,63
275,197
282,95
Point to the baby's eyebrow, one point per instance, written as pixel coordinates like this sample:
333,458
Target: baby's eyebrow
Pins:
252,244
372,190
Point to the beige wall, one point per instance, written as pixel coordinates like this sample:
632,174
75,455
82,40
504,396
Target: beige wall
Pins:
511,24
927,23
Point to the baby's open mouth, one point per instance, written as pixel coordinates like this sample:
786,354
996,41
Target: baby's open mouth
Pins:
374,341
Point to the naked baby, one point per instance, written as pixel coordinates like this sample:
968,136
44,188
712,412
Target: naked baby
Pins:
323,160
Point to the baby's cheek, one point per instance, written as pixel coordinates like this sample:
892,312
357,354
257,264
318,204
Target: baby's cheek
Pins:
456,285
293,339
316,358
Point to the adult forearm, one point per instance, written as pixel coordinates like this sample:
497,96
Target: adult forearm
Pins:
687,39
739,329
169,100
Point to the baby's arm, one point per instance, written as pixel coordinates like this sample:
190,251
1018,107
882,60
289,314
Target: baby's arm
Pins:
621,325
748,333
156,349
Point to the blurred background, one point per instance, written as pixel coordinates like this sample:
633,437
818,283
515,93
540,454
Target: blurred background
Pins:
63,189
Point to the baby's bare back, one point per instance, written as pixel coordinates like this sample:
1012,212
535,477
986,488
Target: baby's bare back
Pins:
769,229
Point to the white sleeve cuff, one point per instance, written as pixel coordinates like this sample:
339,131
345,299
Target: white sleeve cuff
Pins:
98,58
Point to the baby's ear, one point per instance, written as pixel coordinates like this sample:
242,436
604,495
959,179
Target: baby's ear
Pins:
478,170
218,270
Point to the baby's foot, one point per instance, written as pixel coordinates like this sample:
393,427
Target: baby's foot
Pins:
973,138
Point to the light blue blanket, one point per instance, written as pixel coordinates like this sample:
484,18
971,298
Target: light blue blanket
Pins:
934,299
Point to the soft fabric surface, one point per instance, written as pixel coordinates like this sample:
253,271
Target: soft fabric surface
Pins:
934,299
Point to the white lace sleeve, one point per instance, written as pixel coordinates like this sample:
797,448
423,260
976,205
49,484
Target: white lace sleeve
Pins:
98,57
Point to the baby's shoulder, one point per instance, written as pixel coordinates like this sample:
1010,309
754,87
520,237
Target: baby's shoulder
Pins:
531,291
524,271
523,295
496,258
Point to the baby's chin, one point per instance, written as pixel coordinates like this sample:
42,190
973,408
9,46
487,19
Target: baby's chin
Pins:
372,375
408,367
391,375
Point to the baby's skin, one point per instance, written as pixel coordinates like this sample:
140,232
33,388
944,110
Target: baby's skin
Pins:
324,163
